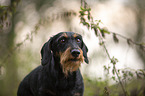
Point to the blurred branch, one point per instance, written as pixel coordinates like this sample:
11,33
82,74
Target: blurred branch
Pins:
58,16
18,45
130,41
87,20
6,12
41,22
101,32
94,24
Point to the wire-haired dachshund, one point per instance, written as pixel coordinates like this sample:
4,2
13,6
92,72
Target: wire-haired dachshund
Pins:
59,74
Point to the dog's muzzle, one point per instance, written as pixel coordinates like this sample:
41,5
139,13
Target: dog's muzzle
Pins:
71,60
75,52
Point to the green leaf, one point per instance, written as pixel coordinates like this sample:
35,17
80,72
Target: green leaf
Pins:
113,77
116,40
129,41
113,71
101,43
82,13
124,75
89,16
114,60
105,30
81,8
105,68
130,74
102,32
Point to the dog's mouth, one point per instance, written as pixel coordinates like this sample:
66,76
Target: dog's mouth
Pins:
74,59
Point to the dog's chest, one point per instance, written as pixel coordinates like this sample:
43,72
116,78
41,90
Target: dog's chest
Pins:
66,83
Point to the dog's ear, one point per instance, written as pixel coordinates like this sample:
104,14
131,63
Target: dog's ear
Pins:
46,53
85,50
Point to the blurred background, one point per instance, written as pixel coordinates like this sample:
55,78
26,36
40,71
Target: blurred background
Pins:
25,25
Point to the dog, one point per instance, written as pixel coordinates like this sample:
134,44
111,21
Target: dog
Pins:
58,74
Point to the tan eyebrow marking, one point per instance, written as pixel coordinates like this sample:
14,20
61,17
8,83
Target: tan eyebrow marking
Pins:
65,35
75,35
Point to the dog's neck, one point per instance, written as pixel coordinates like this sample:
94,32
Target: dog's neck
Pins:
55,68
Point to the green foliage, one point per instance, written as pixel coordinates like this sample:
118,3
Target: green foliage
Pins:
93,87
100,33
101,88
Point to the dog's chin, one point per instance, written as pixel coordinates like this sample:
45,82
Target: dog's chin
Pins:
74,60
71,65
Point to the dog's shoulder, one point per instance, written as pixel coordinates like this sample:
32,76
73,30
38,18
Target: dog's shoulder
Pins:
33,74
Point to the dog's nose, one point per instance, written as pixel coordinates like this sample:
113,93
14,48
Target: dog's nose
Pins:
75,52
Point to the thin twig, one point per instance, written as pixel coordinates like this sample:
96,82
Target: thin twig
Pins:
125,92
97,29
101,37
114,67
138,44
18,45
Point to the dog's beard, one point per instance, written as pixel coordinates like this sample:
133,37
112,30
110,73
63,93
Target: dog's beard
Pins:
69,63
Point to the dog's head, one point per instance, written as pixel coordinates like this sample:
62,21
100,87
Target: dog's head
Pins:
68,48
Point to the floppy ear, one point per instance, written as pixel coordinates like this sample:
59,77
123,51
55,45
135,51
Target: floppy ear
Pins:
85,50
46,53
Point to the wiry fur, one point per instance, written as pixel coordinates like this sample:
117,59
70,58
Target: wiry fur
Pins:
58,74
66,61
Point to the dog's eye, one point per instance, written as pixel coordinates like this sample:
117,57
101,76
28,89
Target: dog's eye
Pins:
78,40
62,40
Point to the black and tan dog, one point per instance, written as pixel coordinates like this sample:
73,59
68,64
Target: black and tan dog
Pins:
59,74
